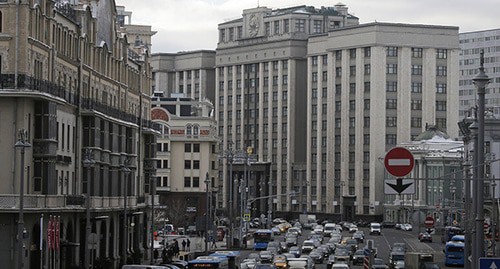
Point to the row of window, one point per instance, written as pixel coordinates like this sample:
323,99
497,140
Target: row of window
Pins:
254,68
391,103
254,98
390,86
252,129
253,83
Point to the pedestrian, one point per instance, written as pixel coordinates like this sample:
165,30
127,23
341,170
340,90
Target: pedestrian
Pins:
176,248
164,255
184,245
213,243
156,253
188,244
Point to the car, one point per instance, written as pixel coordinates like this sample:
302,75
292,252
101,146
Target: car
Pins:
388,224
307,246
339,266
425,237
353,228
295,230
406,227
266,256
316,256
358,257
397,226
276,230
291,241
379,264
342,255
399,246
399,265
395,256
295,251
248,264
265,266
375,228
359,237
273,250
430,265
283,247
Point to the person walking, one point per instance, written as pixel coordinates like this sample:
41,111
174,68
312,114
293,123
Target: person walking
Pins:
188,245
184,245
213,243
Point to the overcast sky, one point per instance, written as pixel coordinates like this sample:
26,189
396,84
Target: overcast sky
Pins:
184,25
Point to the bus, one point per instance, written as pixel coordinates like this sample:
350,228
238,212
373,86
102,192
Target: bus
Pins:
232,256
454,253
209,262
449,231
261,238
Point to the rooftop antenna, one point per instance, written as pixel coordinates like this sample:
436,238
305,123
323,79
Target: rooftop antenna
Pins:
258,3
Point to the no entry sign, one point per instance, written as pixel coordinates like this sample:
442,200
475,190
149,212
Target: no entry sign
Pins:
429,222
399,162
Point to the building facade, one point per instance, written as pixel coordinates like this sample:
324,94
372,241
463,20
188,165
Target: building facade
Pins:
187,74
186,159
70,82
369,88
438,183
260,90
471,45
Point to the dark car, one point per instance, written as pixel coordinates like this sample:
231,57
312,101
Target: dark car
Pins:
359,237
358,257
379,264
342,255
266,257
425,237
295,251
264,266
316,256
430,265
291,241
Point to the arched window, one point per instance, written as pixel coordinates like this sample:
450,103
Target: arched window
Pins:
196,129
189,129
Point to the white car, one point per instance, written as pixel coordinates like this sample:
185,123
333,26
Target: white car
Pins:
406,227
353,228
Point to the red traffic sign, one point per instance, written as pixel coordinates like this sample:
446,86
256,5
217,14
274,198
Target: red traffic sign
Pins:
399,162
486,225
429,222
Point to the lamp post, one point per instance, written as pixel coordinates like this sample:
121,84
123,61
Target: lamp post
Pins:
207,218
126,172
88,162
342,183
22,143
480,81
152,186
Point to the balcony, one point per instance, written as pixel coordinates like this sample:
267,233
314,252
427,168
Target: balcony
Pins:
10,202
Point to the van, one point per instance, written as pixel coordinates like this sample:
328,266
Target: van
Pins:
375,228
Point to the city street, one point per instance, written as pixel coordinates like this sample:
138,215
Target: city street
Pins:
383,244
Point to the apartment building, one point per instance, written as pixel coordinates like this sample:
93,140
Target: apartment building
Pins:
471,45
71,83
261,90
190,74
370,87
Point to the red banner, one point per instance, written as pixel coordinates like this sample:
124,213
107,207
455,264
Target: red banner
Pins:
49,233
57,233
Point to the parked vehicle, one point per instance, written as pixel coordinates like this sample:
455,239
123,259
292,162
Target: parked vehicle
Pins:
375,228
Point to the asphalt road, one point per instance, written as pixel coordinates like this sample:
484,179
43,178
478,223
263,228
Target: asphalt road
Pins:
383,244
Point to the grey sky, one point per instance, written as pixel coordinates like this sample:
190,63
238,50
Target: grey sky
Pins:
184,25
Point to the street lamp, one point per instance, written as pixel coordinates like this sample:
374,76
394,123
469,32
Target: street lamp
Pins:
126,172
480,80
207,219
88,163
22,143
342,183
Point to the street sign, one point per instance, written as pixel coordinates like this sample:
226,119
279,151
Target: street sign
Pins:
489,263
399,186
429,222
485,225
246,217
399,162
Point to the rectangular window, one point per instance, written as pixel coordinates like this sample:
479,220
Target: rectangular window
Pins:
390,139
368,52
440,105
196,164
187,182
187,147
416,122
325,76
352,88
196,147
196,182
416,87
391,86
352,140
392,69
366,122
392,51
338,71
286,26
187,164
440,87
352,54
391,121
276,27
441,71
416,69
366,139
367,69
300,25
417,52
352,105
267,27
314,76
317,26
338,122
391,104
366,104
441,123
338,55
352,122
416,104
441,53
338,106
338,89
367,86
352,70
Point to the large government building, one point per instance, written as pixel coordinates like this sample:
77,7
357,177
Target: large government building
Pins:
322,99
76,131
